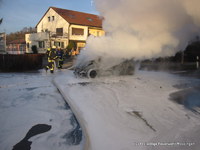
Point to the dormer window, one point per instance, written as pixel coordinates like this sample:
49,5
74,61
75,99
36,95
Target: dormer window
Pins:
71,16
89,19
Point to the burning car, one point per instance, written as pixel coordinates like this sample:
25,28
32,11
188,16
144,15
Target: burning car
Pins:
93,68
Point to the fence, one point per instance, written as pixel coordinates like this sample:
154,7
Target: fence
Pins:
22,62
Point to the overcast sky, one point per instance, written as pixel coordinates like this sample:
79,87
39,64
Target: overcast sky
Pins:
18,14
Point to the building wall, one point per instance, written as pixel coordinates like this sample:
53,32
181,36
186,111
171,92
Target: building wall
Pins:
81,44
41,40
78,37
96,32
16,48
51,25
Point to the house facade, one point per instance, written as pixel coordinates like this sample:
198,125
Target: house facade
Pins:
58,27
16,47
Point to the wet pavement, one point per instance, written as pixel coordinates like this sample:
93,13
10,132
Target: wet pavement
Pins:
189,98
189,89
189,94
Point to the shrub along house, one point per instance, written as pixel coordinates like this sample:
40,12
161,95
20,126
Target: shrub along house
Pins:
59,27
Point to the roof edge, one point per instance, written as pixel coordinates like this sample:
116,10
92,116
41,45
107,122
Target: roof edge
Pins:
42,17
54,8
75,11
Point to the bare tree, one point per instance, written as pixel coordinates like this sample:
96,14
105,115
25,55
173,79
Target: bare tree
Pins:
1,20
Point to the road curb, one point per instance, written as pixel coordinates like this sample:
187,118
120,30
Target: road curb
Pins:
76,112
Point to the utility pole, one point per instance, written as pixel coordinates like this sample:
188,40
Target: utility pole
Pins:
5,42
49,39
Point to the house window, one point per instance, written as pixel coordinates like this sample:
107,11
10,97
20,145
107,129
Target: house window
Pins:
57,44
53,18
98,33
41,44
77,31
21,47
62,45
28,45
49,19
59,31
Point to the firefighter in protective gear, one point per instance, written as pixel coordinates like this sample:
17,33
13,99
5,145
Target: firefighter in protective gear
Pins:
51,55
60,56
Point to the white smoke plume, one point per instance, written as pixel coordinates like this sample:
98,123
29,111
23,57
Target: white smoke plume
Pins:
143,29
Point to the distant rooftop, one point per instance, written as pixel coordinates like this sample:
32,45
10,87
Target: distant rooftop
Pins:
18,41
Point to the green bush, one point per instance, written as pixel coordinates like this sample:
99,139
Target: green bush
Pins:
71,45
34,49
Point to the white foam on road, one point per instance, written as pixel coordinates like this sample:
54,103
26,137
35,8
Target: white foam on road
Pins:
130,112
27,99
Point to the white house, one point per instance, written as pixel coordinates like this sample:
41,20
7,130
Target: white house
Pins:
60,26
2,43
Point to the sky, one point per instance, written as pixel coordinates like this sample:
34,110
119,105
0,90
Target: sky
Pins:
18,14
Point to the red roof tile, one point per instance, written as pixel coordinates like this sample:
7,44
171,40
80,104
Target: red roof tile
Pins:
80,18
18,41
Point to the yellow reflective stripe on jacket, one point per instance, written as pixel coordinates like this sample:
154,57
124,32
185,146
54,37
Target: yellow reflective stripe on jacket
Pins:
51,60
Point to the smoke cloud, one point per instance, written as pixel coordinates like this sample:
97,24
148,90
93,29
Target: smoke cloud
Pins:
143,29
